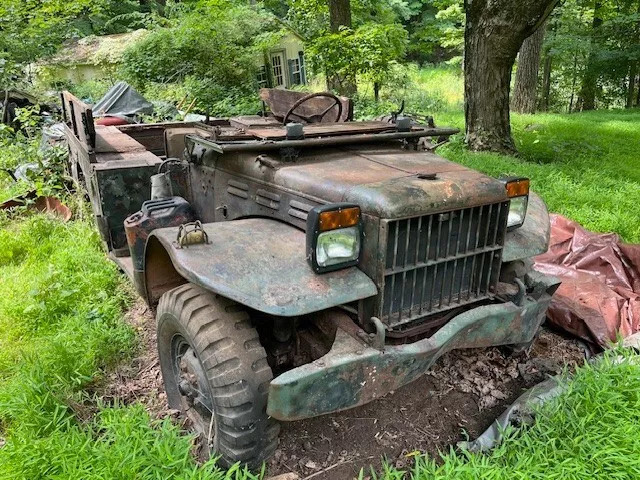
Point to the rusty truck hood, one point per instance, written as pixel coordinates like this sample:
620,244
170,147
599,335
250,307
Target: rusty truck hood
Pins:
388,182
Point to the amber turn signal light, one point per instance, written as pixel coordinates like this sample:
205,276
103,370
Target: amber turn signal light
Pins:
341,218
518,187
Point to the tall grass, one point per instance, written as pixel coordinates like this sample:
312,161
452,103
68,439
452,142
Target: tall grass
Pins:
61,307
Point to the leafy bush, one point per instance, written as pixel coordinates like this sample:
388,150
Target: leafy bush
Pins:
90,91
369,51
210,49
46,173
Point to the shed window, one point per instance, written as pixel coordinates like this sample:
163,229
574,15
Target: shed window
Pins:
296,72
303,68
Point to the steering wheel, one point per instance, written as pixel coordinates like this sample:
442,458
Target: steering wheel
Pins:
317,118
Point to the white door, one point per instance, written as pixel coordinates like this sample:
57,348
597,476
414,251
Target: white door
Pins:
277,63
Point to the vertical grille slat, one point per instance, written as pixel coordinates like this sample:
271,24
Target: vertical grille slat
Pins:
455,262
441,261
417,259
404,273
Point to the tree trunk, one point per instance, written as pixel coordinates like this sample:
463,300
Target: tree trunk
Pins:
546,82
525,91
494,33
590,79
633,68
574,80
546,69
340,16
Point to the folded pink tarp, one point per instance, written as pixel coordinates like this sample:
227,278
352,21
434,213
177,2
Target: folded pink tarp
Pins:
599,299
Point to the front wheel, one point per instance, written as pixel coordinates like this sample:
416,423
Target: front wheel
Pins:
215,370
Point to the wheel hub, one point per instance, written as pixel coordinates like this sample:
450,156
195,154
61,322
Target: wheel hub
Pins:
193,387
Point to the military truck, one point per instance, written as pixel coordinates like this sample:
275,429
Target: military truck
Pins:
301,263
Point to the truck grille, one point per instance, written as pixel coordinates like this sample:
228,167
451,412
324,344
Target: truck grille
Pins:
441,261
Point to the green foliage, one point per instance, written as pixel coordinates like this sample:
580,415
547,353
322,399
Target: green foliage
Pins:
22,147
369,51
90,91
32,29
572,44
119,16
210,50
590,431
370,48
436,30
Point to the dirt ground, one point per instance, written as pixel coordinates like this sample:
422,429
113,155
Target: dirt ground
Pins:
457,399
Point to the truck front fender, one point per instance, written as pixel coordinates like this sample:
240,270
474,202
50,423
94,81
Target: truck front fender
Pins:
256,262
532,238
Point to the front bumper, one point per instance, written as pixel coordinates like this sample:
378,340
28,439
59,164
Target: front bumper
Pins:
353,373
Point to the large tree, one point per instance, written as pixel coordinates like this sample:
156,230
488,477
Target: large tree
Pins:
633,63
494,32
590,78
340,17
524,92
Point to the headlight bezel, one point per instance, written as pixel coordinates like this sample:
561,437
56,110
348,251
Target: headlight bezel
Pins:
314,230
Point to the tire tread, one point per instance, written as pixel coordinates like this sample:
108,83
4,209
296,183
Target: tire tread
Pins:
236,367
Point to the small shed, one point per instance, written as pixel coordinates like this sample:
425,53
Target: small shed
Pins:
283,66
97,57
88,58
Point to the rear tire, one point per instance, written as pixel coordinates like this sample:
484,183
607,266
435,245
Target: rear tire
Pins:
215,370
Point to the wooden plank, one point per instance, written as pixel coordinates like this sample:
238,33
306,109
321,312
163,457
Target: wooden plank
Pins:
79,118
109,139
126,160
254,121
324,129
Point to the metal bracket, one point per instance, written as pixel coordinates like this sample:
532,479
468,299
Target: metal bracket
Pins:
378,341
522,290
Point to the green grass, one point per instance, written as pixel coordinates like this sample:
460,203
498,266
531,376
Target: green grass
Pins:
591,431
61,309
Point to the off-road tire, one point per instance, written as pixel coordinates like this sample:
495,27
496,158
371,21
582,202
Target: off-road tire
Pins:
234,363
